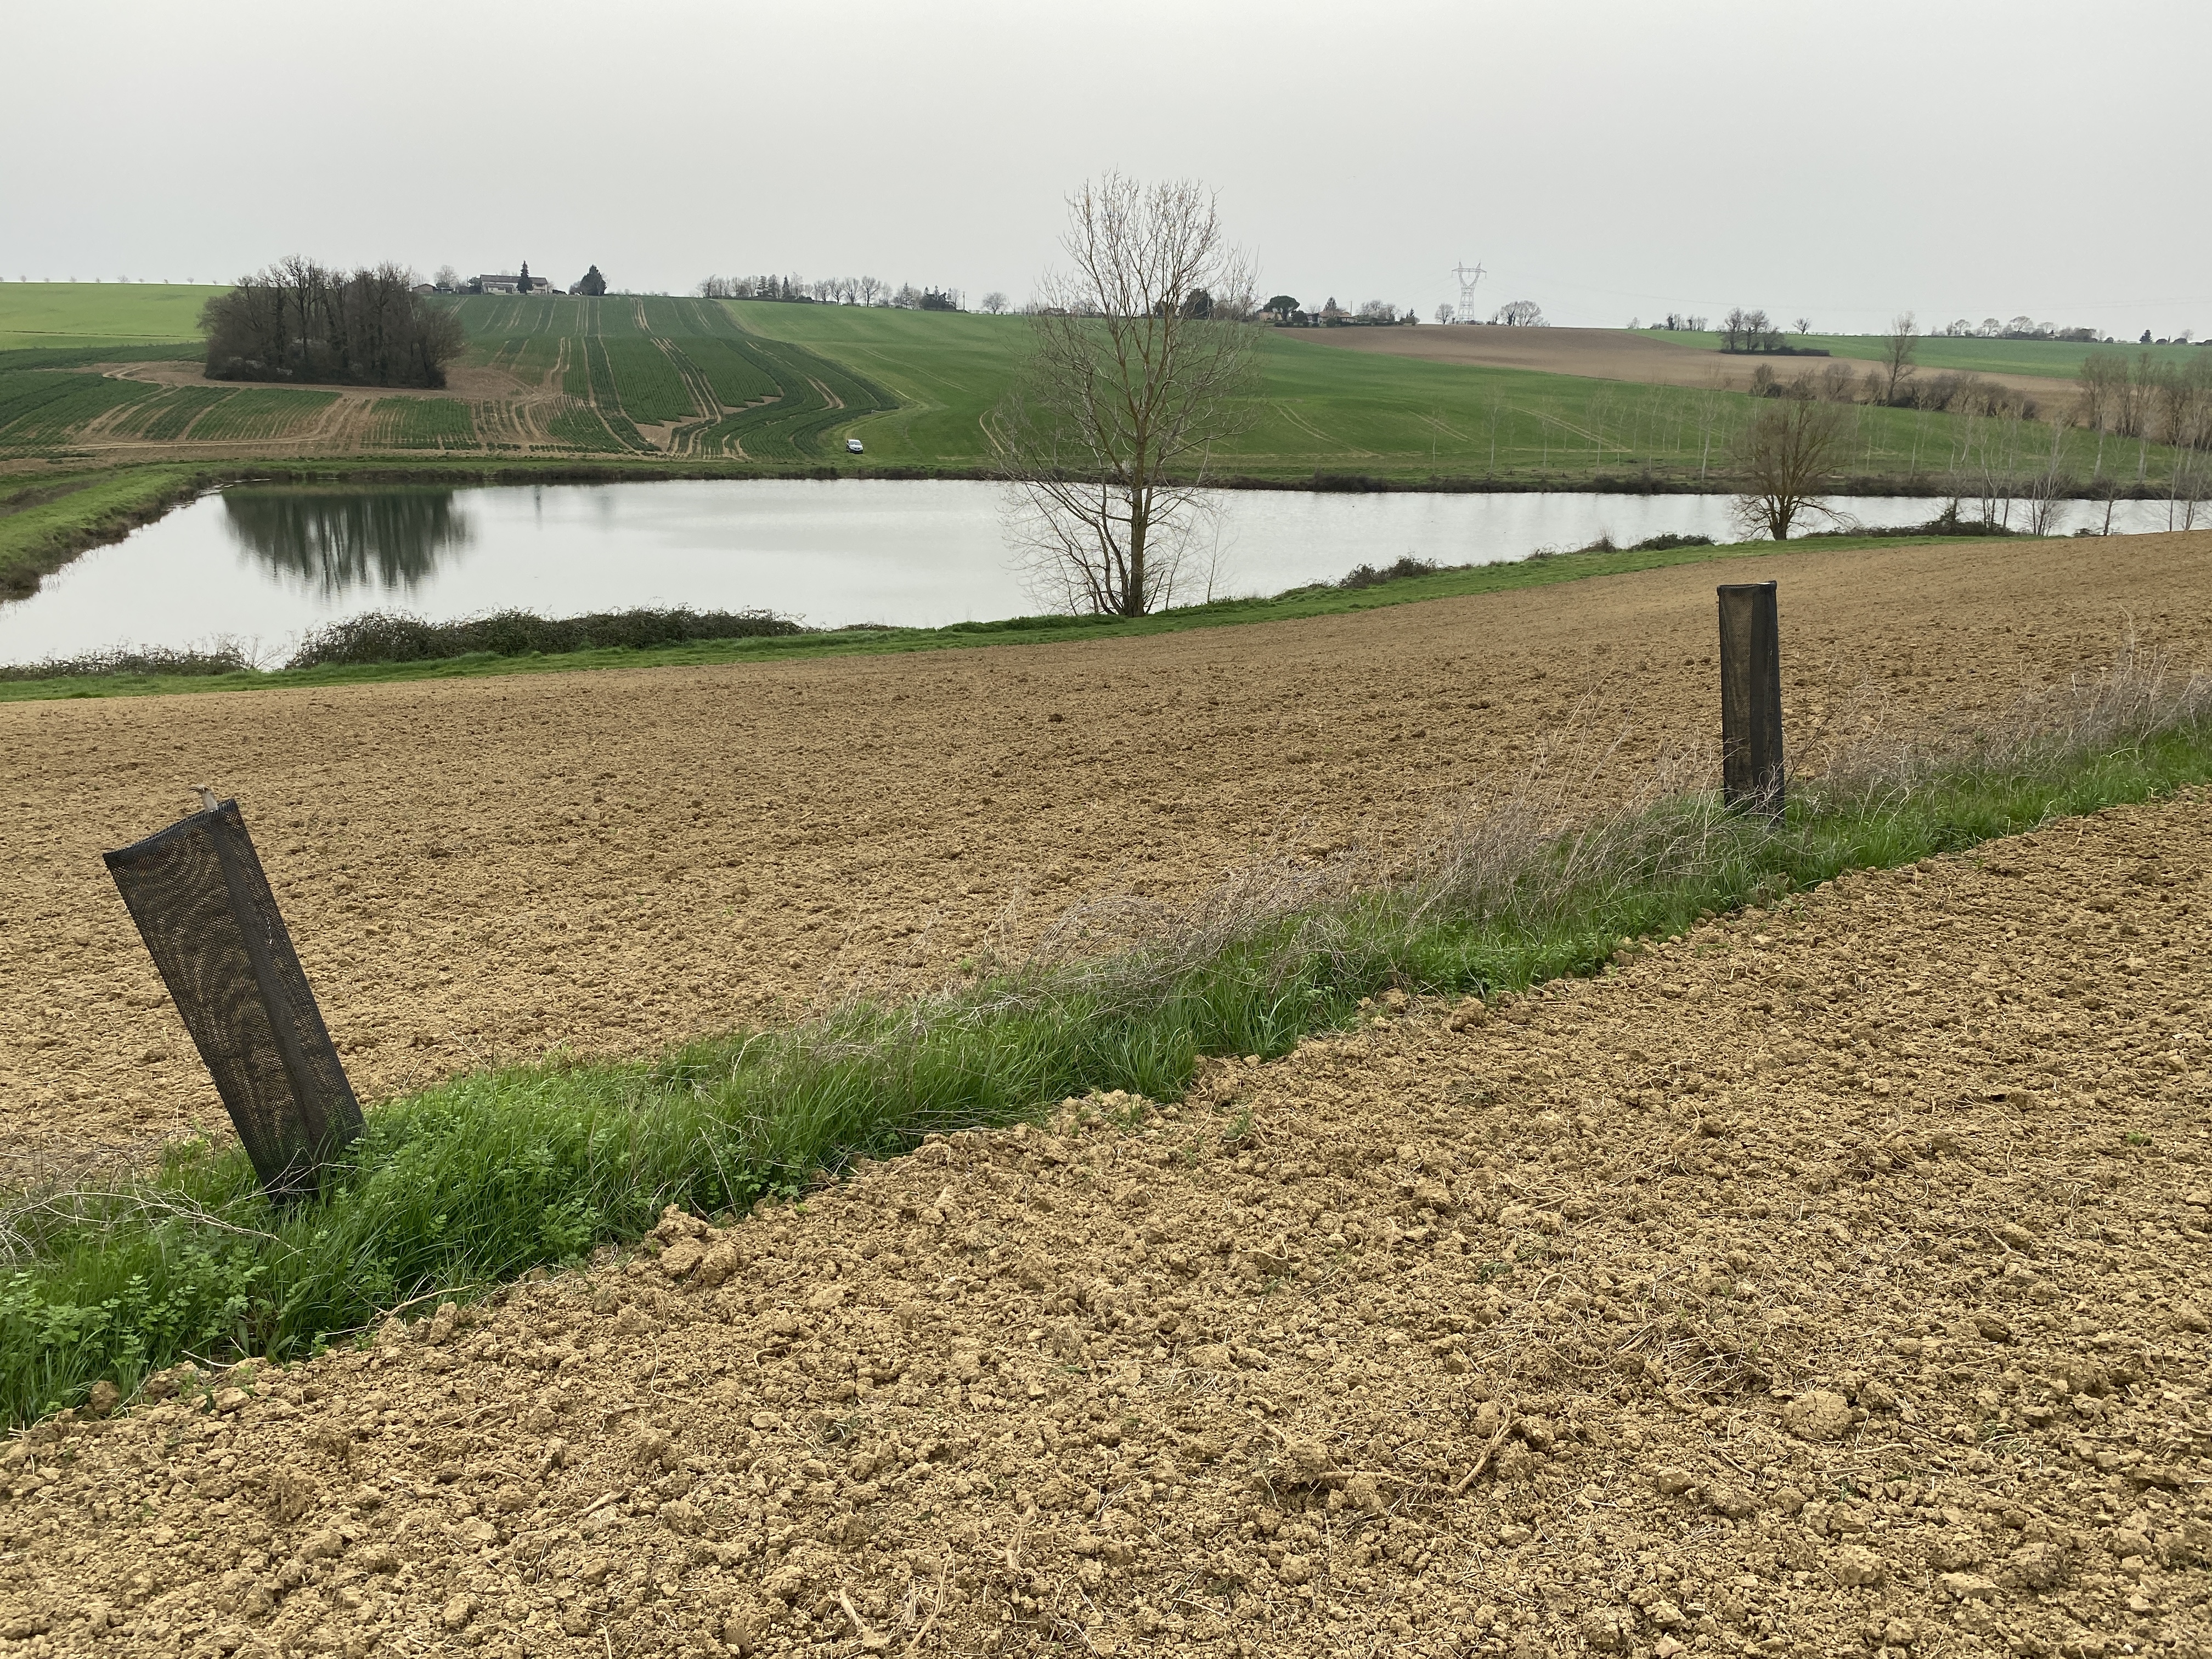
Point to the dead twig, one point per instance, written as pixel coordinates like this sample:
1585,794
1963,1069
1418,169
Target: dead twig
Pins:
1459,1486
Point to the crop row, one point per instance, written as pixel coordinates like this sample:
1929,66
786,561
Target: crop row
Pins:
43,407
169,415
268,412
647,385
581,427
651,359
422,423
736,373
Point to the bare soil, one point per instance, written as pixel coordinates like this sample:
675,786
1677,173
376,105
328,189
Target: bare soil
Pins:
1830,1281
469,381
1607,354
492,869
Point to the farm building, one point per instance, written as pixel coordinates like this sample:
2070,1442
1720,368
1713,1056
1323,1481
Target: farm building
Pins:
511,283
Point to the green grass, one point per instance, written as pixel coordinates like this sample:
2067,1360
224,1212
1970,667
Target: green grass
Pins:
1320,601
46,520
35,315
475,1181
1320,410
1948,353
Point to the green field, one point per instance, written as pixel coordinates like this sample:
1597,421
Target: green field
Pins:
48,314
685,366
42,410
2058,360
664,378
1323,410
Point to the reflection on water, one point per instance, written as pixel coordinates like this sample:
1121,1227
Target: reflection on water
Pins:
338,540
264,565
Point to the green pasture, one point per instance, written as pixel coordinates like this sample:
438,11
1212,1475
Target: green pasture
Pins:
2058,360
48,314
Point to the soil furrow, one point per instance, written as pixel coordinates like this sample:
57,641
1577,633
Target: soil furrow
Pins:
1829,1281
486,869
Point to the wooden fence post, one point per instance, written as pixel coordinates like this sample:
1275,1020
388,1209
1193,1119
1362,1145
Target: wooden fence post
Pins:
204,907
1751,699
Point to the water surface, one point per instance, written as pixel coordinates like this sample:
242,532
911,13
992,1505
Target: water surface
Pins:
261,565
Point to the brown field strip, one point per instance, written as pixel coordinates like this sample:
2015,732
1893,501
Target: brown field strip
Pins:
608,862
1831,1283
1611,354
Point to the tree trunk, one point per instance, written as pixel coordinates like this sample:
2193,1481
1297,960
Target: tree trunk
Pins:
1140,515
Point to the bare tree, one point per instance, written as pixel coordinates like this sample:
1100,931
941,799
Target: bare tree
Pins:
1105,439
298,321
1443,314
995,303
447,281
1784,458
1803,325
2047,493
1520,313
1897,348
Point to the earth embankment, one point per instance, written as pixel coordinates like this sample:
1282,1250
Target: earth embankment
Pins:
480,869
1830,1281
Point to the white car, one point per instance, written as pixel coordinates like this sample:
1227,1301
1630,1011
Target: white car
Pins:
852,445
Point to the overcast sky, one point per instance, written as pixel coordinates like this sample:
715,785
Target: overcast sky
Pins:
1606,160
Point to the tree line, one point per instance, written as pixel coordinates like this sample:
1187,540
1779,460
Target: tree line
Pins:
298,320
2168,402
842,291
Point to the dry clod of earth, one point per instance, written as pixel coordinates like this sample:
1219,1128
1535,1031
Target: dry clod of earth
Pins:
487,870
1474,1340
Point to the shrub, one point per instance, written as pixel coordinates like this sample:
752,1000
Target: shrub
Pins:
1367,575
132,660
385,636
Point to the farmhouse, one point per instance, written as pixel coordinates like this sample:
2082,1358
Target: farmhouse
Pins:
509,283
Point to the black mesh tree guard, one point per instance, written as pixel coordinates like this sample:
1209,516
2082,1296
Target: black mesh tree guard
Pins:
204,907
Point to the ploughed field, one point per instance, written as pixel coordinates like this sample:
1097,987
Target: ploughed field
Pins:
1832,1281
486,869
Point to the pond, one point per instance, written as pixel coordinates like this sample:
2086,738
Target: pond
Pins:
259,565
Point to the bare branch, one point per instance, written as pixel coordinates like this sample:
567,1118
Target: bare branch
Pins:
1138,369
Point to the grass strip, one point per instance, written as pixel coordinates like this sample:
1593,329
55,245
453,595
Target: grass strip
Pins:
46,521
479,1180
1325,599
